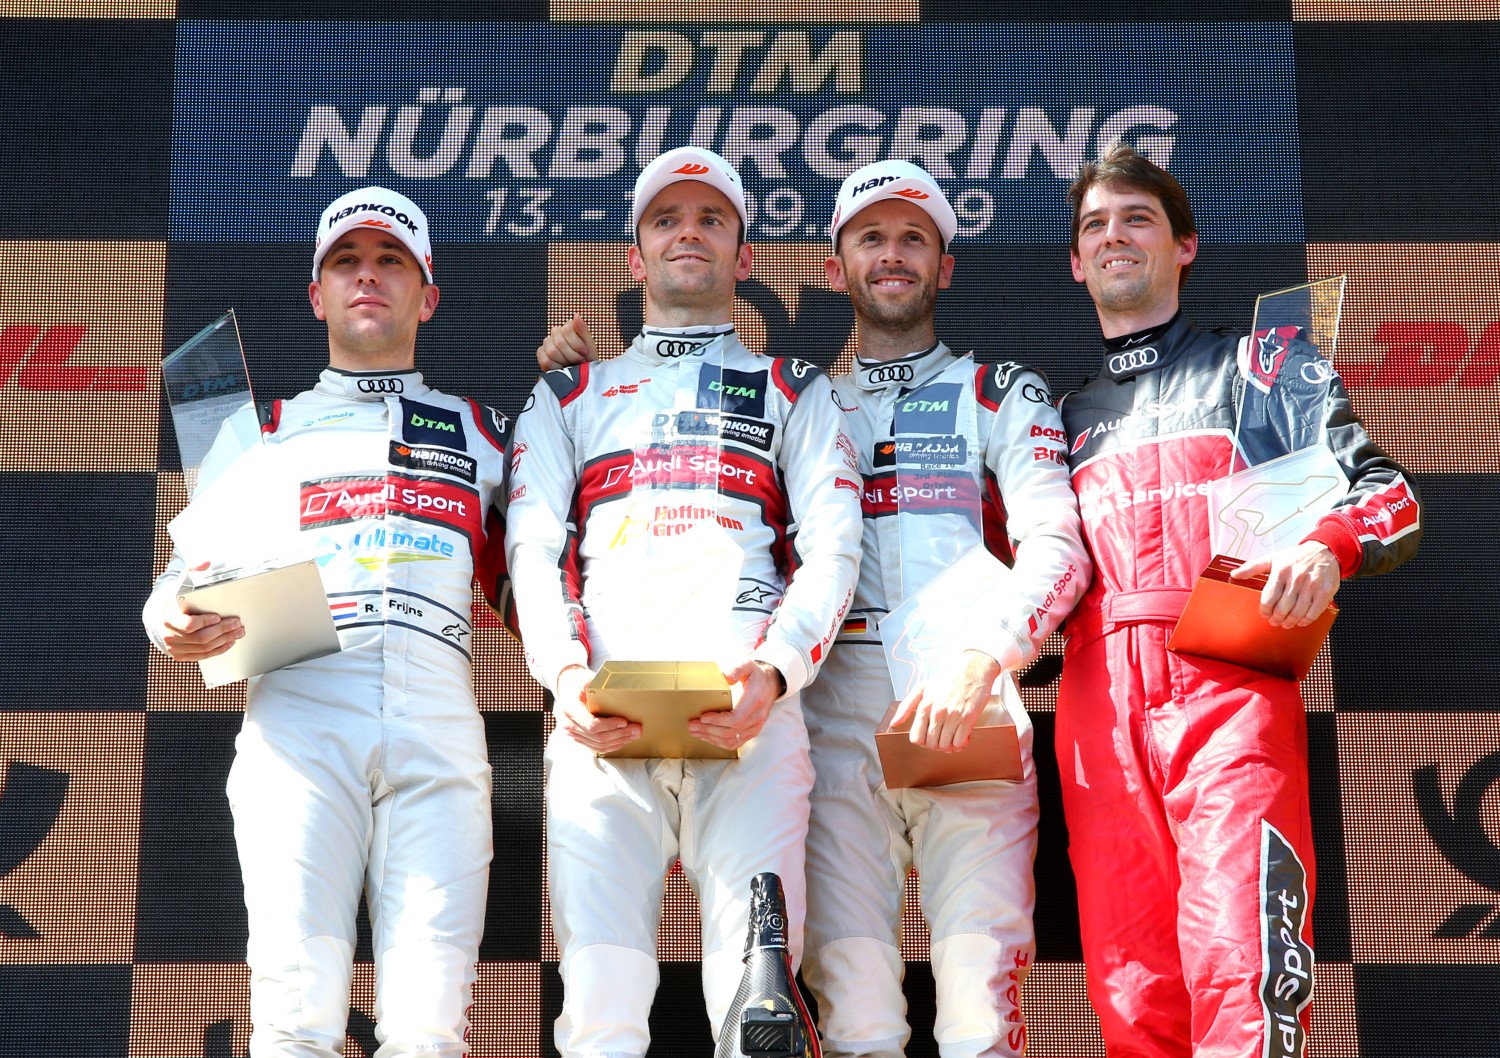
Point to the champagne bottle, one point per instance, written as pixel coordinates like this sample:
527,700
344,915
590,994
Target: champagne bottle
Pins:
768,1018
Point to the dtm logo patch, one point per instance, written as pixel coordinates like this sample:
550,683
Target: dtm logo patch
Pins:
930,410
732,392
439,460
424,424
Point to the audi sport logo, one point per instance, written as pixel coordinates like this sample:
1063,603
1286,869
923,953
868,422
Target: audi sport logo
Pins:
1036,394
382,385
911,192
1133,360
667,347
890,373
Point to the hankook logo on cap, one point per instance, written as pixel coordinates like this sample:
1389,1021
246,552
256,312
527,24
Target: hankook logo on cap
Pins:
1133,359
692,169
911,192
381,385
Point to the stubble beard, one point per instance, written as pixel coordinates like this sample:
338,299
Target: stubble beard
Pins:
369,339
894,316
700,288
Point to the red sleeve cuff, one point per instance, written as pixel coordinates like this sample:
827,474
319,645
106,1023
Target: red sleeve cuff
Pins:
1334,532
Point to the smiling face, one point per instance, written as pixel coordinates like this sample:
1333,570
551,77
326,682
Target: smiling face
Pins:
371,293
1129,258
689,255
890,259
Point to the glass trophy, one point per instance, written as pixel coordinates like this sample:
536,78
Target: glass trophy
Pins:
243,513
668,589
1285,476
206,383
1283,479
947,576
239,535
945,569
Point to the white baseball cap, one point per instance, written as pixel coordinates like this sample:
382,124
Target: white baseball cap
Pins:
893,179
381,209
687,163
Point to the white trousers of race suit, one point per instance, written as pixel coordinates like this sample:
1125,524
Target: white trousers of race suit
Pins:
341,784
614,828
973,845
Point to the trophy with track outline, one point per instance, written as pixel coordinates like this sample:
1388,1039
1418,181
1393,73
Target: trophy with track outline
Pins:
947,577
238,535
1285,477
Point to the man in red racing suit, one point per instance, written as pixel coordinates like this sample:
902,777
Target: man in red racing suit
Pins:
1185,779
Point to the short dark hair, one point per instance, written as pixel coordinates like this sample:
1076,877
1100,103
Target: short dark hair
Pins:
1123,167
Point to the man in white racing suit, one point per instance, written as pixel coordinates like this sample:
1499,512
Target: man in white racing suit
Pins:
619,466
989,432
366,769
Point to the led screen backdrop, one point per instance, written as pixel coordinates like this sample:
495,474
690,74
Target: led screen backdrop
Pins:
163,162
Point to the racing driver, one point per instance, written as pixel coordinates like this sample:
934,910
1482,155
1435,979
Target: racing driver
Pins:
687,435
366,769
1185,779
973,843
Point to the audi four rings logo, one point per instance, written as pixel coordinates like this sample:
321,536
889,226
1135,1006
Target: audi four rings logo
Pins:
381,385
674,349
1316,372
1132,359
891,373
